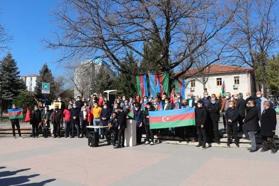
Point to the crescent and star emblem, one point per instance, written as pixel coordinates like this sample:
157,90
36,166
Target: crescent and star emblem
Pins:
165,118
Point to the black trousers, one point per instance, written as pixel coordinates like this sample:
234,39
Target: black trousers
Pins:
56,129
67,128
15,123
75,125
215,125
120,136
84,123
240,122
232,131
202,137
224,121
149,133
139,134
35,129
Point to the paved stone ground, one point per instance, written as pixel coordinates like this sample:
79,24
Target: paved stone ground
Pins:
70,162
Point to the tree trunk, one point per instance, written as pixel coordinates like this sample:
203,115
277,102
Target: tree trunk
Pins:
253,84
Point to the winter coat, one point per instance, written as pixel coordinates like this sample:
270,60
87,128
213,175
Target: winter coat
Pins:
213,111
105,115
251,122
232,114
67,115
268,122
121,119
75,112
241,105
36,117
138,115
200,116
56,116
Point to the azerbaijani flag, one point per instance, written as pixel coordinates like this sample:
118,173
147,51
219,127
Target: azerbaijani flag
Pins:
15,113
142,85
180,87
172,118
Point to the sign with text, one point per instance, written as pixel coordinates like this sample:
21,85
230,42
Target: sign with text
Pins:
45,88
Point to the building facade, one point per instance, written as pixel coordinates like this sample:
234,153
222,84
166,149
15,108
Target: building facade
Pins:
216,79
85,75
30,82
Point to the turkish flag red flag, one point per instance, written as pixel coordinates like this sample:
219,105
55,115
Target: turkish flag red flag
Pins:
27,116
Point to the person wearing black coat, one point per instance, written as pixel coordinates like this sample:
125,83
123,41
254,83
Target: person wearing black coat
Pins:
148,131
138,116
36,119
240,106
200,116
75,113
104,118
56,119
232,116
268,127
111,133
121,125
213,112
251,123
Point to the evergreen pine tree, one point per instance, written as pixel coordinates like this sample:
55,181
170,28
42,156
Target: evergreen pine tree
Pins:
104,80
10,83
45,76
152,54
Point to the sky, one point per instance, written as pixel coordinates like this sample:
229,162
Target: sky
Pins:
28,23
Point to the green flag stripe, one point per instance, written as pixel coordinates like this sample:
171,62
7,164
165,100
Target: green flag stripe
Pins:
179,123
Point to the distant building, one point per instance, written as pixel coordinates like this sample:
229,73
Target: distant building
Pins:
233,79
30,82
85,75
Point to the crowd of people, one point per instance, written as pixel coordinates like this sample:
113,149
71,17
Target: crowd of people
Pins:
248,118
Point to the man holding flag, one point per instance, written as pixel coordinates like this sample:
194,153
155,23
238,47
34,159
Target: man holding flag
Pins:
14,115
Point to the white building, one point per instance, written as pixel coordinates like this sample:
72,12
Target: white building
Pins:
30,82
85,76
233,79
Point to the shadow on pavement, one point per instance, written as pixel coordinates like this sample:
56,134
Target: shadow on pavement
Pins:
9,178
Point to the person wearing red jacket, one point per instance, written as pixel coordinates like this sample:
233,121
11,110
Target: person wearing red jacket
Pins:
67,120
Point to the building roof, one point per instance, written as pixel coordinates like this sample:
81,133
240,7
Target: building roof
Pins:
30,75
217,69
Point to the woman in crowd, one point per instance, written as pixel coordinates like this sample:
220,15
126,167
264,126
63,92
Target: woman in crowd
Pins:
268,127
213,111
67,120
200,114
232,116
138,116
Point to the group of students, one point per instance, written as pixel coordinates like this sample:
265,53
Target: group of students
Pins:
248,117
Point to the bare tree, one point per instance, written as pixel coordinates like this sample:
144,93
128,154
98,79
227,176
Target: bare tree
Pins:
253,33
113,28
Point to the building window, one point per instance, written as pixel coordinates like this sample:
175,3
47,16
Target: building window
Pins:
193,83
219,81
236,80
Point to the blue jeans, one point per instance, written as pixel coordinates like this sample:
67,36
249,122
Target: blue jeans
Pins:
252,137
96,122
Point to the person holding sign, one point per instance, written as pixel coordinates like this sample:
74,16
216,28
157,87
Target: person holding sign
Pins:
15,114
